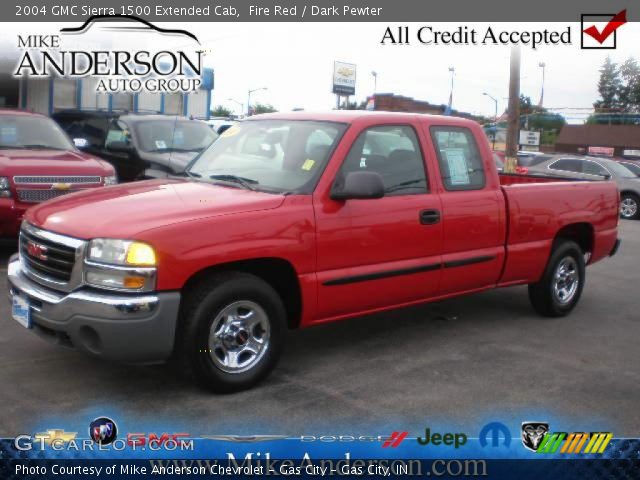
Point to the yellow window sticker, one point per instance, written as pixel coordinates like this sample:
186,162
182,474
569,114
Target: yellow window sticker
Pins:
308,164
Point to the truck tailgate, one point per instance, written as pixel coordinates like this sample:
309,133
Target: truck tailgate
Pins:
536,212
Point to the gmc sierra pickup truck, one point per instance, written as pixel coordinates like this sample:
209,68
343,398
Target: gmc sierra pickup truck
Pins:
292,220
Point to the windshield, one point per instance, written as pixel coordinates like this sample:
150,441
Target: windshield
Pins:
635,168
271,155
173,135
620,170
32,132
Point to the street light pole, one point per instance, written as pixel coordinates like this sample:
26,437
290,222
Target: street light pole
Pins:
452,70
542,65
239,103
495,119
249,98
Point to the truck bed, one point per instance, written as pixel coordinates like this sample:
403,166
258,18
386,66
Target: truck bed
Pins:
540,207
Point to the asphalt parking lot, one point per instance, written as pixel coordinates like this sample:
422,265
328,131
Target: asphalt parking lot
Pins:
461,361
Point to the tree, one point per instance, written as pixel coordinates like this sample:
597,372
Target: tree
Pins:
609,86
629,94
221,111
526,107
263,108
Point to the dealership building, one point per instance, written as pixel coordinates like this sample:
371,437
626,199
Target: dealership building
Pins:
47,95
618,140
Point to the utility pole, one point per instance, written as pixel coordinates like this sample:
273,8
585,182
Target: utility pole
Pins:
513,121
249,99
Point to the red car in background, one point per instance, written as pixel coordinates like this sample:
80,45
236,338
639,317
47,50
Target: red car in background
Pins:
38,162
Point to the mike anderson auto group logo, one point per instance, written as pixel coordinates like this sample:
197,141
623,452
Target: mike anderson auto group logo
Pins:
168,60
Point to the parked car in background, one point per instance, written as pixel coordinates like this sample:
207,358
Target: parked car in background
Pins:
298,219
139,146
527,158
633,166
499,158
38,162
219,125
596,168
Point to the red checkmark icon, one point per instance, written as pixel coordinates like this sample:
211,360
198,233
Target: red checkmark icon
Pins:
616,22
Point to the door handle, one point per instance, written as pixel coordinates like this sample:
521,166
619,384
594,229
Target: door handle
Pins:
429,217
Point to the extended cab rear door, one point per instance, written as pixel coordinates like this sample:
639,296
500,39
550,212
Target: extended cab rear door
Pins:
377,253
473,206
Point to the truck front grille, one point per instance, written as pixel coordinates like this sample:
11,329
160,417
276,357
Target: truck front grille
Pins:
40,195
42,180
50,259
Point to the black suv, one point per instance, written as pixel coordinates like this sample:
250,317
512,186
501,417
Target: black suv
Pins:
139,146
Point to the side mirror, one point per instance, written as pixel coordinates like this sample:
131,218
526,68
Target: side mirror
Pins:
121,147
359,185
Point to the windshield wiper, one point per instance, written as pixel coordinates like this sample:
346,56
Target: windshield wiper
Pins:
247,183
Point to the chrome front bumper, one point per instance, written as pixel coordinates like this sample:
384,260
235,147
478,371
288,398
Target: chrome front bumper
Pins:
133,328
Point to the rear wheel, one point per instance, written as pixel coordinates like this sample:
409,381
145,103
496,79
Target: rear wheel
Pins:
629,206
233,327
560,287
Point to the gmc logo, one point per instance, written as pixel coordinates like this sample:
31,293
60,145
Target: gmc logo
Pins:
152,439
36,250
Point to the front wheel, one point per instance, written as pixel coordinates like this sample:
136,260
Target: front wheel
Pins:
233,327
629,206
560,287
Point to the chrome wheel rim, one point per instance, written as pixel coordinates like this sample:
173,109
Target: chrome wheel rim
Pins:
628,207
566,280
239,337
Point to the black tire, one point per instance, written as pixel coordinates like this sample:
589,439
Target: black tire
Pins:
545,298
629,206
203,305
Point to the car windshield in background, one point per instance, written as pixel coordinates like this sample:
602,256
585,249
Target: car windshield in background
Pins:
32,132
270,155
634,167
173,136
620,170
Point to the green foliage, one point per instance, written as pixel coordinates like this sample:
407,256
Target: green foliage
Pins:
221,111
259,108
619,88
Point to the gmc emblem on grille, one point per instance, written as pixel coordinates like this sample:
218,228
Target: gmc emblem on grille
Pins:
36,250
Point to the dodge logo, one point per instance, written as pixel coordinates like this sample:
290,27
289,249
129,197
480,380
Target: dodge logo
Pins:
36,250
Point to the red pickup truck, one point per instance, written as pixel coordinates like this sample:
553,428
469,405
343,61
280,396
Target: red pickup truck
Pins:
292,220
38,162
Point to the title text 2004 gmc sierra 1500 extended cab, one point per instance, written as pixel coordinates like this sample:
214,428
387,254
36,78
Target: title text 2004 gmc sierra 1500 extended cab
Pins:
292,220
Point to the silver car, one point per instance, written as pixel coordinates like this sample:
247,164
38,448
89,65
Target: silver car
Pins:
596,168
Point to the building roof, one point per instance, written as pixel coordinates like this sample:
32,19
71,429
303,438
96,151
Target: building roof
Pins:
600,135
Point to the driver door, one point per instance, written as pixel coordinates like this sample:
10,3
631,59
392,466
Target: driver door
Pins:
377,253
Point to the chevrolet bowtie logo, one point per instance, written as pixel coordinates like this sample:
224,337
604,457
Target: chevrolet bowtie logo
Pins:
55,434
61,186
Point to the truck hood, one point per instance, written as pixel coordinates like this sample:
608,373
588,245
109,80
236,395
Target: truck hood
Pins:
124,211
51,162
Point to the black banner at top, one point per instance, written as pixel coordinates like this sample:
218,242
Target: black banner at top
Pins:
315,10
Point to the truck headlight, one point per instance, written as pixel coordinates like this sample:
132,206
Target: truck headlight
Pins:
5,187
120,265
121,252
112,180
